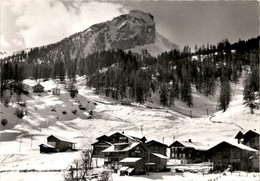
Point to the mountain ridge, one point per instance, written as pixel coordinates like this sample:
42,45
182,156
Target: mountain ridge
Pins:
126,32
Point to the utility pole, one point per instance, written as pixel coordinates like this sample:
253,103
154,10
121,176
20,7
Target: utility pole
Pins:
20,144
141,129
148,162
31,140
207,112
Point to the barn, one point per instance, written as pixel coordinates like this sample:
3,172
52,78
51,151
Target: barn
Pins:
226,153
45,148
60,144
38,88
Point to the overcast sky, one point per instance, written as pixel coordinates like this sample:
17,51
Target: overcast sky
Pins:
30,23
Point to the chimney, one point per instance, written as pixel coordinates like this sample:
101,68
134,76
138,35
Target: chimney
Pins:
123,132
190,140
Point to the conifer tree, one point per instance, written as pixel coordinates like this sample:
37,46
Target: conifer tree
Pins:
163,95
225,95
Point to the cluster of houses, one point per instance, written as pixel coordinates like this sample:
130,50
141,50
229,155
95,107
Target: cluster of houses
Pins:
70,87
132,155
135,155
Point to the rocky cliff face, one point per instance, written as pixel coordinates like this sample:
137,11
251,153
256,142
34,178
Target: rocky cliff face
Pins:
124,32
134,31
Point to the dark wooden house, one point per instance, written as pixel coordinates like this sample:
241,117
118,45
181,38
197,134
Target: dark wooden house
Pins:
240,137
55,91
122,138
38,88
45,148
156,147
101,144
226,153
188,151
132,165
251,138
60,144
119,151
156,162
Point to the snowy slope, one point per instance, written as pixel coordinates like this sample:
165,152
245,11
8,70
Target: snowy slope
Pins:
21,137
154,49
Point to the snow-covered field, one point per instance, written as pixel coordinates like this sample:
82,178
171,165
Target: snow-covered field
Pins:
20,137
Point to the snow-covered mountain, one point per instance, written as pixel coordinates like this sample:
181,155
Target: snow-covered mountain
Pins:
133,31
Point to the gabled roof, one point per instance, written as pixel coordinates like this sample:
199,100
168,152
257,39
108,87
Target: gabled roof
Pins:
159,155
103,136
61,139
101,142
188,144
153,141
250,132
240,146
130,137
134,138
129,147
46,146
130,159
38,85
239,135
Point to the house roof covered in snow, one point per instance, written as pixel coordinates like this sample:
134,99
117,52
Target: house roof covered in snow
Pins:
159,155
156,142
61,139
129,147
190,144
240,146
46,146
130,159
38,86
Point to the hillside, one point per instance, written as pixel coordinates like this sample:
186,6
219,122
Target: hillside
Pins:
20,137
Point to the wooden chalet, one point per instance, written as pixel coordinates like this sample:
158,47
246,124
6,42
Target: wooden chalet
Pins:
45,148
60,144
55,91
101,144
132,165
251,138
38,88
156,147
124,138
226,153
188,151
119,151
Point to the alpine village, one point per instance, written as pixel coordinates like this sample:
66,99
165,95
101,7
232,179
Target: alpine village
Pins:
108,104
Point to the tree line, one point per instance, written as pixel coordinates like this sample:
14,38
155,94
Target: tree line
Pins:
121,74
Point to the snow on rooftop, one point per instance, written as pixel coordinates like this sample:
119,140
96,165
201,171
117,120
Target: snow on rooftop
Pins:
62,138
129,147
130,159
160,155
241,146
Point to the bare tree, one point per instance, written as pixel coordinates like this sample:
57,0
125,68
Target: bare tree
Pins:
79,170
